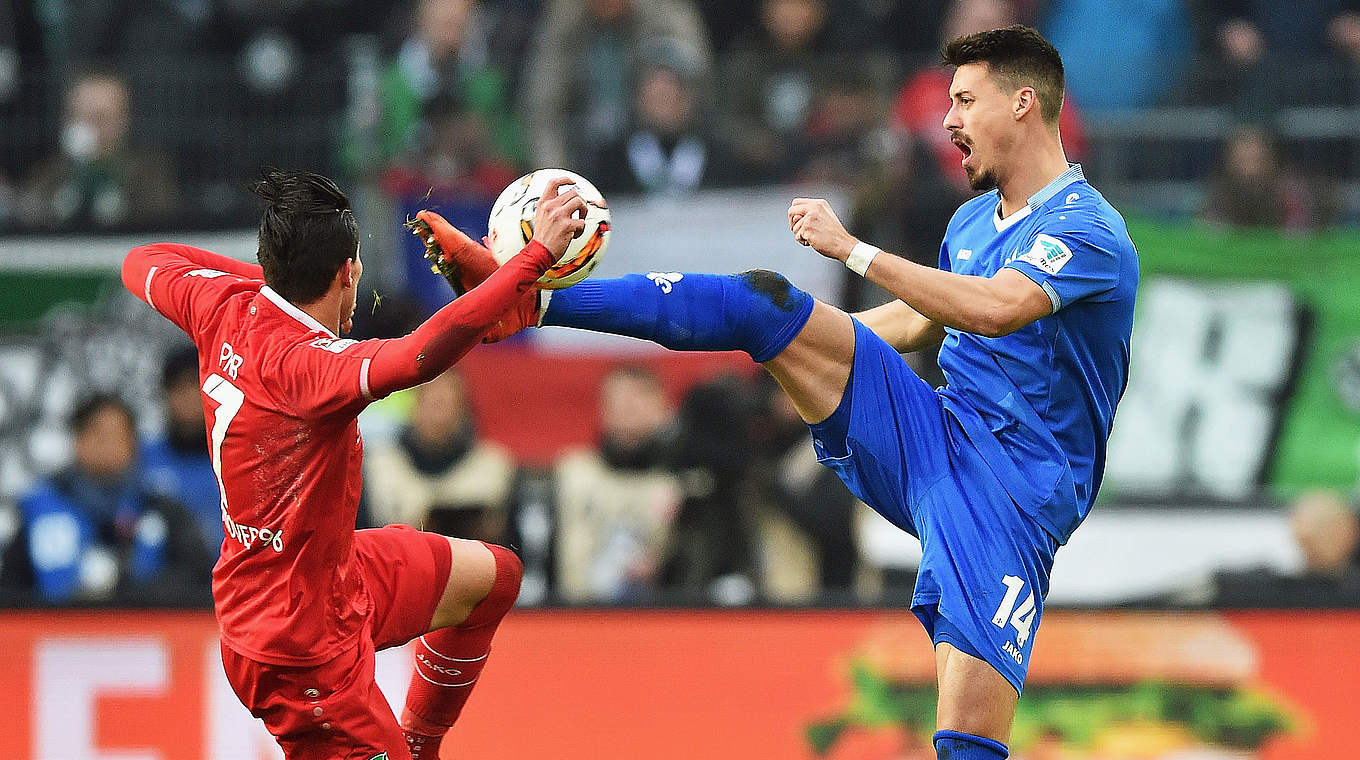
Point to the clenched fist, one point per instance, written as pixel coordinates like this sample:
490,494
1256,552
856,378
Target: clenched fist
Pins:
815,224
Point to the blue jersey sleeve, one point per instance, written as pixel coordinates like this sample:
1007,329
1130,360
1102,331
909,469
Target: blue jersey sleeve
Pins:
1072,264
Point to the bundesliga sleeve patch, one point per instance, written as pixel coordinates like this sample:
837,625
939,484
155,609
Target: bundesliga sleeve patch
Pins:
333,345
1048,254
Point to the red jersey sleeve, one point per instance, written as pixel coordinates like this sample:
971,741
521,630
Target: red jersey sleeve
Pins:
184,283
325,376
329,375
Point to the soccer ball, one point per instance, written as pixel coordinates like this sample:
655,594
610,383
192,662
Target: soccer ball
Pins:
511,226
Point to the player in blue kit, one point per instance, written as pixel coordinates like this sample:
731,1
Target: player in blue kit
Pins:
1034,299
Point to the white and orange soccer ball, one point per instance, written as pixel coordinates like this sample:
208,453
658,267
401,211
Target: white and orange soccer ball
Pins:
511,226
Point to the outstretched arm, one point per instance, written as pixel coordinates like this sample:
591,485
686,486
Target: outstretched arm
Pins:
990,306
453,330
447,336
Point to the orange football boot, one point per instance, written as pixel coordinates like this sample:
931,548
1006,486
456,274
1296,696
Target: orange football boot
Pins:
462,261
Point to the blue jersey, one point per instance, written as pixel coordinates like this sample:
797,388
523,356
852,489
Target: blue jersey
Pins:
1038,403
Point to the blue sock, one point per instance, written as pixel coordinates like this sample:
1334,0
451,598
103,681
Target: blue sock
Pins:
956,745
757,312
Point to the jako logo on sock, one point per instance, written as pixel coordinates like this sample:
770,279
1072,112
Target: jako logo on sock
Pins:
665,280
437,668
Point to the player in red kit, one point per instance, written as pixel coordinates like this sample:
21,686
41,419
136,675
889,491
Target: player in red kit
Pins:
303,599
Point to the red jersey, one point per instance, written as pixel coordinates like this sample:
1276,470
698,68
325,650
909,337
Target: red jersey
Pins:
280,394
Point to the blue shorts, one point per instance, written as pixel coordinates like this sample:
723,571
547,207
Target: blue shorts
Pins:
985,563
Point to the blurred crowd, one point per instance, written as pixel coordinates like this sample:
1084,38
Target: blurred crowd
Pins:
712,498
153,113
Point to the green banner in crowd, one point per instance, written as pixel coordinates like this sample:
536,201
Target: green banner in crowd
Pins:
1246,366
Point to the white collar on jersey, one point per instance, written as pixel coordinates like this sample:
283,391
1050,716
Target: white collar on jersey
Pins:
288,308
1073,174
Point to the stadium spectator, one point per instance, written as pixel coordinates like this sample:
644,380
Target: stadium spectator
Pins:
577,79
1326,528
904,199
1258,57
1300,30
669,148
1119,56
807,535
1253,187
1343,34
909,29
919,109
442,70
93,532
769,83
176,464
844,134
455,157
99,179
438,475
615,505
711,557
1233,71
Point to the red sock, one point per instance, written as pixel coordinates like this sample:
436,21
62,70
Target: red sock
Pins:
449,660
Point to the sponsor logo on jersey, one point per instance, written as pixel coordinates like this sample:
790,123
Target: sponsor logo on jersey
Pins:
249,537
333,345
965,253
379,756
1048,254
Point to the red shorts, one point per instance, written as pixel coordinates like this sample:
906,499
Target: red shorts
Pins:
335,709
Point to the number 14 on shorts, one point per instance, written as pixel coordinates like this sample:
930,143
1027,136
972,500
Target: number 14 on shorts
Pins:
1022,617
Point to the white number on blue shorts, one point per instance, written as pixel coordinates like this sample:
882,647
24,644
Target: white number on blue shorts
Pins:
1023,616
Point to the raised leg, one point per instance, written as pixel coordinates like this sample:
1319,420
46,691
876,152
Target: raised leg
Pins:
808,346
815,367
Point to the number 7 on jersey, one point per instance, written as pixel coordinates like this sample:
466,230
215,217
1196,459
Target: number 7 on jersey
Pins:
229,399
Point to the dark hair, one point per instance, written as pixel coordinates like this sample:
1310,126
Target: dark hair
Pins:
85,412
1018,57
307,232
180,364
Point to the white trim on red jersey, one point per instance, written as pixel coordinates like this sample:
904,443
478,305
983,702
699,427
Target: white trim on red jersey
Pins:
288,308
150,273
363,378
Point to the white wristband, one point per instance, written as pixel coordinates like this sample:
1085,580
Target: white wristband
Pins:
860,257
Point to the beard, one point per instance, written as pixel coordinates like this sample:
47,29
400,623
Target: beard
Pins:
980,181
